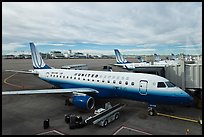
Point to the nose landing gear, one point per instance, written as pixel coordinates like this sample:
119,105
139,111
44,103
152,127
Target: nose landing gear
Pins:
151,110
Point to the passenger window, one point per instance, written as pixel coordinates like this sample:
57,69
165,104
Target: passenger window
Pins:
67,76
75,74
114,81
97,80
70,77
89,75
132,83
161,85
120,82
92,75
63,76
82,74
108,81
126,83
79,74
96,76
78,78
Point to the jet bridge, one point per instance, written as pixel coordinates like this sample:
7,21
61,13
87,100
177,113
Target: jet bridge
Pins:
185,76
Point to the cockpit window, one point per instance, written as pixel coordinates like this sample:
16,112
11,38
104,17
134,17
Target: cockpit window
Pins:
161,85
169,84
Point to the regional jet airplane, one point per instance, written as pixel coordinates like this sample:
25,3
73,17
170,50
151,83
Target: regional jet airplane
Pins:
87,85
121,61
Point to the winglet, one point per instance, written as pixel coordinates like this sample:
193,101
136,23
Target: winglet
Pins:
37,60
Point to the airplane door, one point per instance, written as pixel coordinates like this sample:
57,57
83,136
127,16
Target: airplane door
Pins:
143,87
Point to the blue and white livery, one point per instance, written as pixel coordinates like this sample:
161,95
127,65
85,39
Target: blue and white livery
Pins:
88,85
38,63
121,61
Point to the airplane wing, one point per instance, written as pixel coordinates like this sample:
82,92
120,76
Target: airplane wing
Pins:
22,71
120,65
51,91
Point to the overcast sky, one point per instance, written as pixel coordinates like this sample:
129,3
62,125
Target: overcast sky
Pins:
98,28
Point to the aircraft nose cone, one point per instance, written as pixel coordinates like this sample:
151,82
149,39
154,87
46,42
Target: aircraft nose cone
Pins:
186,98
189,100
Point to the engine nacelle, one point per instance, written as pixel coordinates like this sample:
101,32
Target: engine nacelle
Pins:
83,101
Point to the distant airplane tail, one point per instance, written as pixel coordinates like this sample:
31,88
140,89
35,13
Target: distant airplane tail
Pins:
172,57
119,58
156,57
37,60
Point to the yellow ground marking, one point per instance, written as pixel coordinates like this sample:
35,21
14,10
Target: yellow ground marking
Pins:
5,81
181,118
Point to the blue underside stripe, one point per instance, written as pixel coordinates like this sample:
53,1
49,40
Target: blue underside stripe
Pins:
105,91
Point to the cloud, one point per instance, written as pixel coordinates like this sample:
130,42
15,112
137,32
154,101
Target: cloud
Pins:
11,47
100,22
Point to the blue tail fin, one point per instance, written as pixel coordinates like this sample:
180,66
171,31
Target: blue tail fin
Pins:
37,60
119,58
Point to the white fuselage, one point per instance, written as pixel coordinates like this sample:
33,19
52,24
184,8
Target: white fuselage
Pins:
136,86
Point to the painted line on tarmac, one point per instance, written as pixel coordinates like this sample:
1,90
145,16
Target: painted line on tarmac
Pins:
51,131
5,81
135,130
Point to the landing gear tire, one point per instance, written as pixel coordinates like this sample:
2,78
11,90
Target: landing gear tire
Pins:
105,123
151,112
116,116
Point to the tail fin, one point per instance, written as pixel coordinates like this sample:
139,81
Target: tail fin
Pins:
119,58
172,57
37,60
156,57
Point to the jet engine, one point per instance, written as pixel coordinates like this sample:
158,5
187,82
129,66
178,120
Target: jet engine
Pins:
82,101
